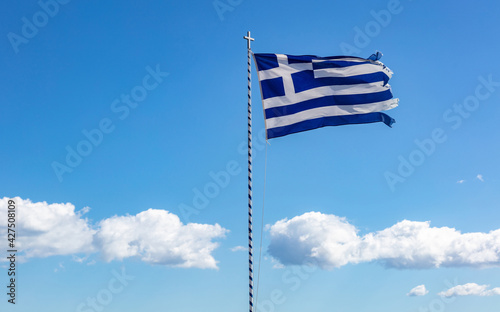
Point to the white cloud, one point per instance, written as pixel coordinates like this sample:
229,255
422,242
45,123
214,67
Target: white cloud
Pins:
460,181
493,292
238,248
154,236
49,229
480,177
470,289
314,237
59,268
331,242
159,237
276,263
420,290
78,259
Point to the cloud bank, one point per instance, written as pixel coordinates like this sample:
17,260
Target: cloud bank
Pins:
159,237
45,230
329,241
470,289
153,236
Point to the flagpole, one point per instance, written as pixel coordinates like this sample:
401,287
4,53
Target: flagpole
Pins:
250,246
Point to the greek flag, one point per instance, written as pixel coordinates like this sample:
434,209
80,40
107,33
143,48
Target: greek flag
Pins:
305,92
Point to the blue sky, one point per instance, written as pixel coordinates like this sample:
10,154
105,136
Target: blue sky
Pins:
124,224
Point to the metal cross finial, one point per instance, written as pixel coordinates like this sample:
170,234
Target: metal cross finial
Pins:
249,39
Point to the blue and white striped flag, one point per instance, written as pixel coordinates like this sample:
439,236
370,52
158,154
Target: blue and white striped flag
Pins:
306,92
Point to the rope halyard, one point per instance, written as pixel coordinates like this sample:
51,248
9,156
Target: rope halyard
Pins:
250,246
261,228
